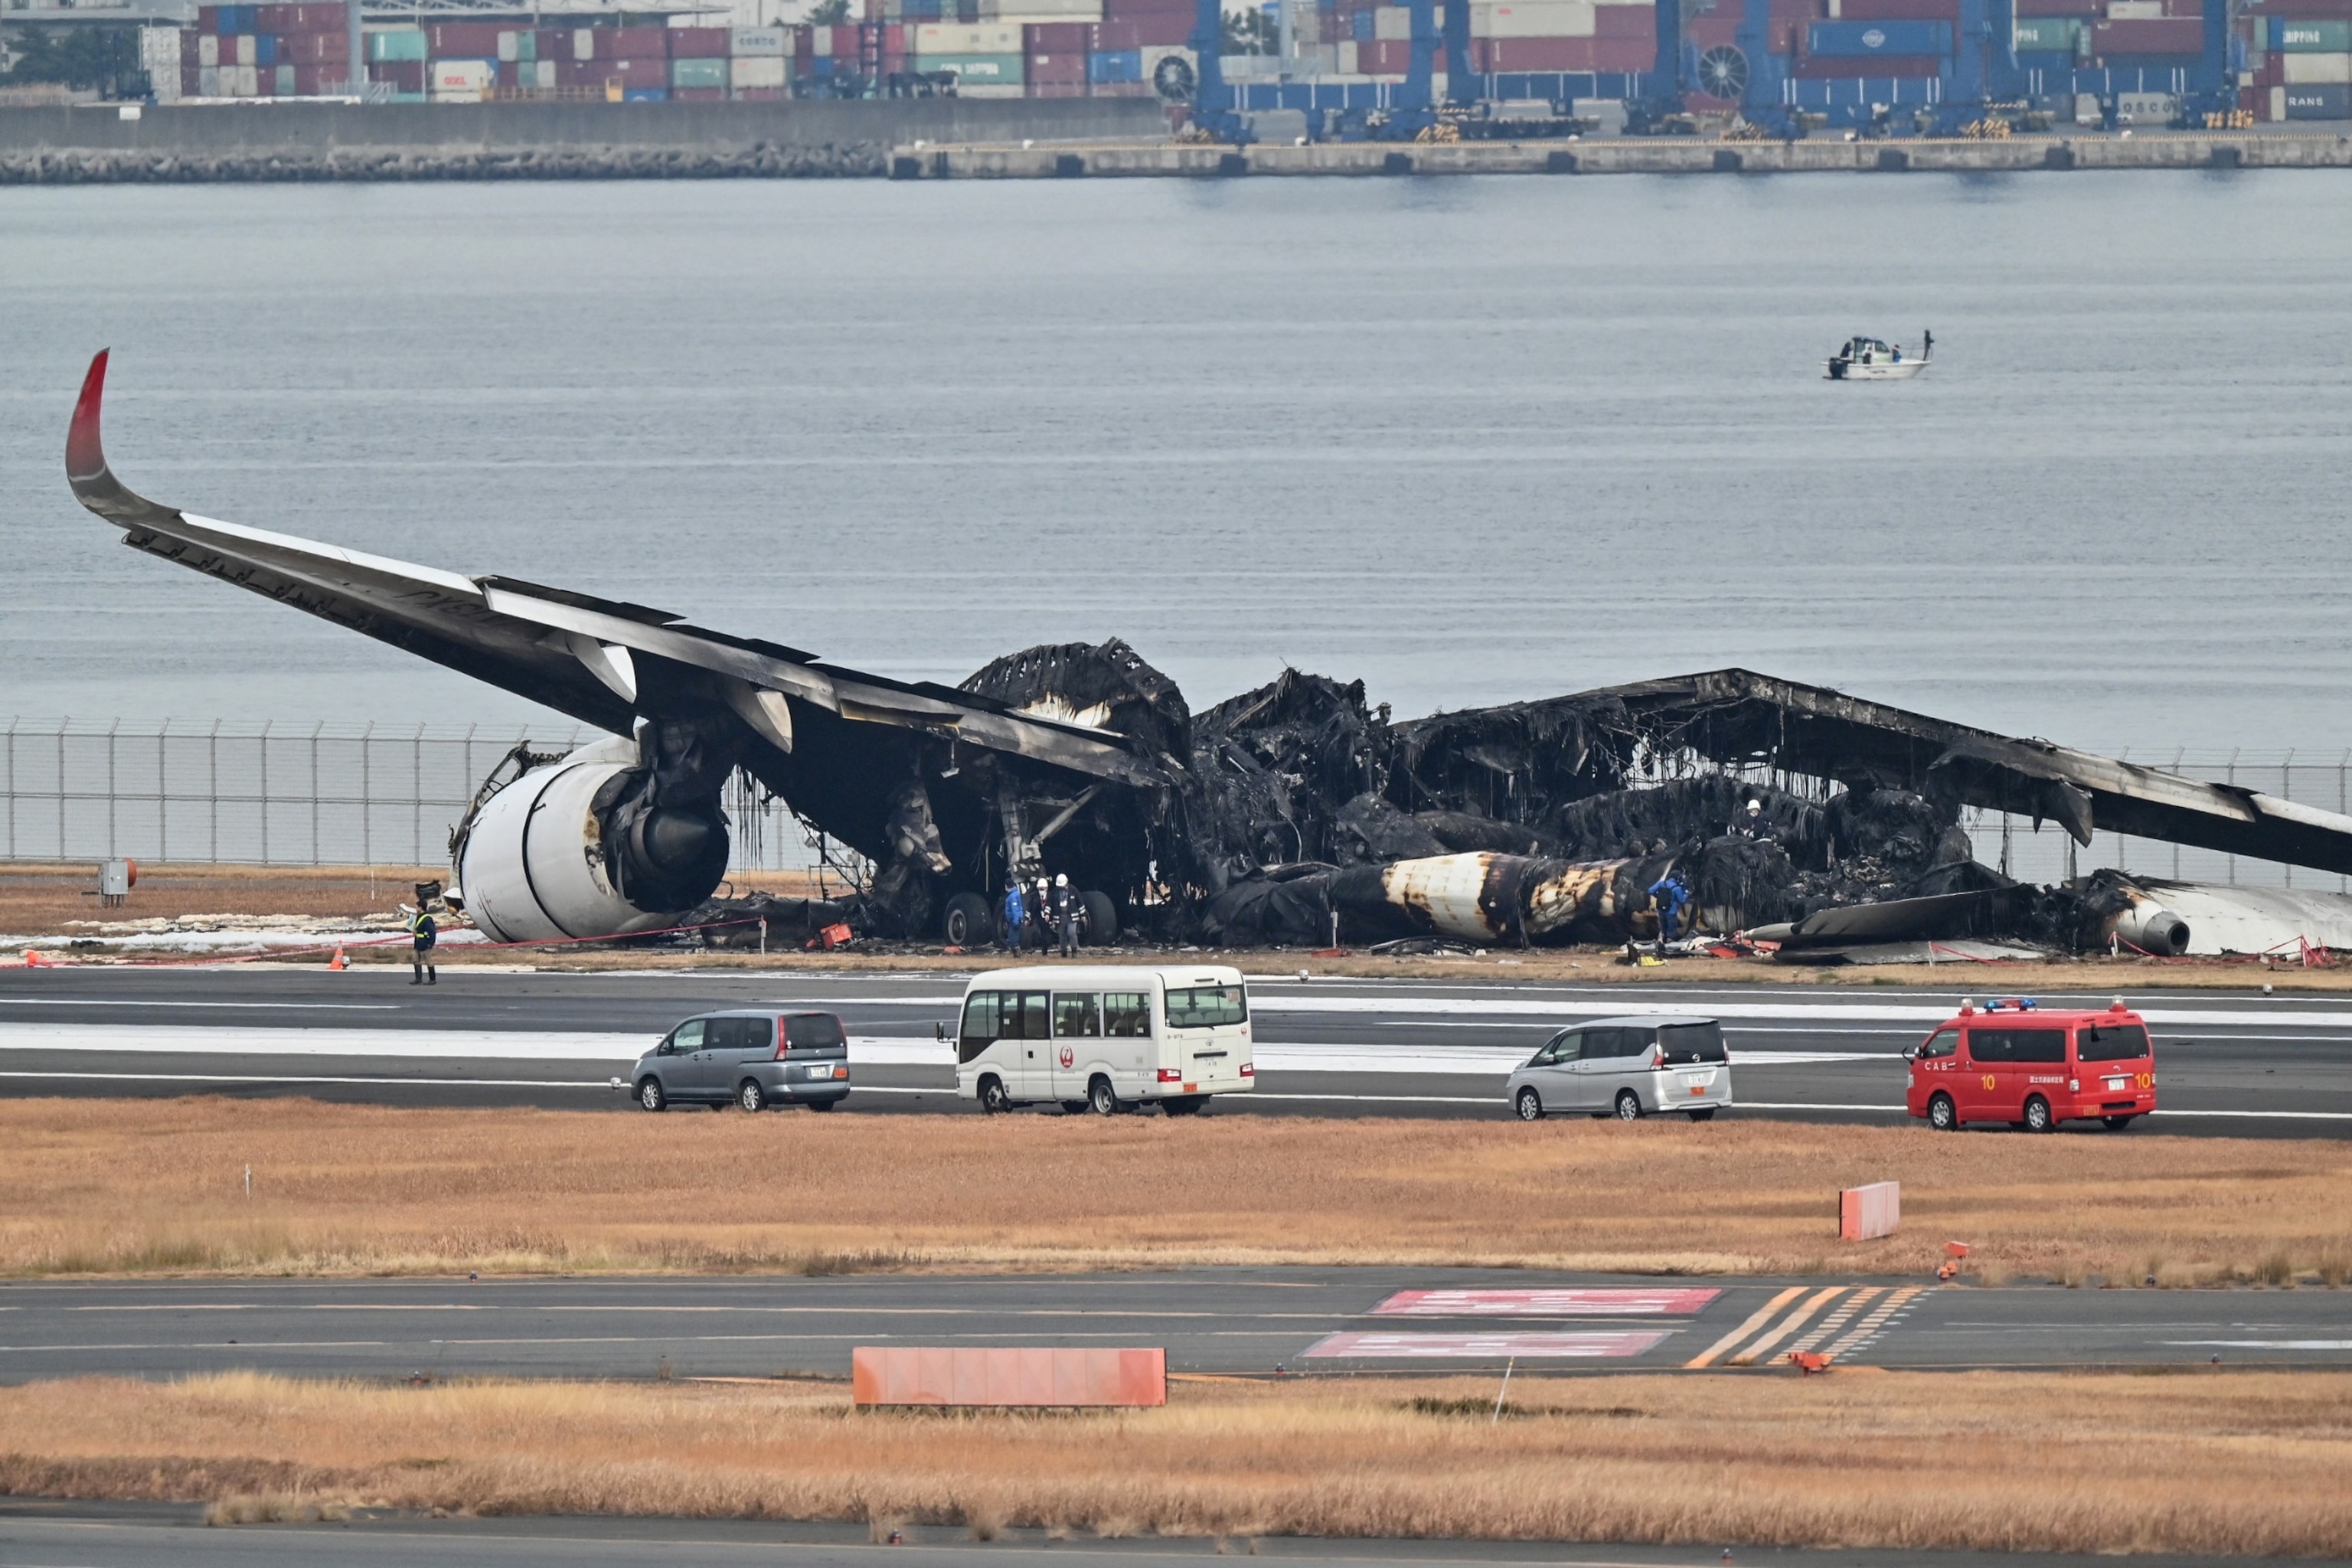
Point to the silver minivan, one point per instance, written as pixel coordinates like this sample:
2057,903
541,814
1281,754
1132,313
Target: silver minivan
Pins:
1625,1068
754,1059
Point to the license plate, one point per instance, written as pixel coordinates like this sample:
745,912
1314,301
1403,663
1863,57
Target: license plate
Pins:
2118,1083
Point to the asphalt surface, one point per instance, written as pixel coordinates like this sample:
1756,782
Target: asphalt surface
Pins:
2242,1064
86,1535
1306,1321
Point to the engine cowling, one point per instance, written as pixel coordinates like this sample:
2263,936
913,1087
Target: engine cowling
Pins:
573,849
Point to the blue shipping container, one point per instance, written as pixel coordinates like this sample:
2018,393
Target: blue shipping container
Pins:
265,50
2044,60
1360,24
645,95
1890,37
2321,100
1115,65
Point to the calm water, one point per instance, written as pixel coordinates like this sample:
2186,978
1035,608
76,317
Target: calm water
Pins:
1471,441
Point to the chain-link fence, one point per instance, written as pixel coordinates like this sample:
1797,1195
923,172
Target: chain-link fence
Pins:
286,795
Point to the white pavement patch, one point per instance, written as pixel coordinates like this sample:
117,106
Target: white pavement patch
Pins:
1482,1346
1565,1301
522,1045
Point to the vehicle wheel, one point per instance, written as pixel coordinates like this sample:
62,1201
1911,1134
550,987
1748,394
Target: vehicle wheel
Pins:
1099,918
823,1104
1191,1105
1629,1106
1101,1099
1074,1108
1704,1113
751,1096
992,1098
968,922
1529,1105
1942,1114
2116,1123
2037,1115
650,1095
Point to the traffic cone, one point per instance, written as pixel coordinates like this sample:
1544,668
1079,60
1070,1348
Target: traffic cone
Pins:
35,960
337,962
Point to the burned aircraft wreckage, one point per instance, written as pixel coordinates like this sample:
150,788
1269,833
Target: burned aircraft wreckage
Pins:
1292,814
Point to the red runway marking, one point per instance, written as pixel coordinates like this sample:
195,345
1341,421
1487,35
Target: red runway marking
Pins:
1596,1303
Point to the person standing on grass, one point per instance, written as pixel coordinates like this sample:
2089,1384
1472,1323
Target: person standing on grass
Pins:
423,933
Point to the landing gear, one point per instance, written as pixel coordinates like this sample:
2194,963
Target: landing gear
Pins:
968,921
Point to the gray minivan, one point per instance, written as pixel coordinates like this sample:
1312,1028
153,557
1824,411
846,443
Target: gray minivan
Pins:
754,1059
1627,1067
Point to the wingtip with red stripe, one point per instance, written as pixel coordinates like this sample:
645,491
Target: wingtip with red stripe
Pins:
85,454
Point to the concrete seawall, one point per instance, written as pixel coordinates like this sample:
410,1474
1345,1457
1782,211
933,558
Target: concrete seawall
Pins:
264,140
1678,155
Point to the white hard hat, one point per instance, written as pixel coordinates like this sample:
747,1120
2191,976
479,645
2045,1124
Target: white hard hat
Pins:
1061,881
1754,806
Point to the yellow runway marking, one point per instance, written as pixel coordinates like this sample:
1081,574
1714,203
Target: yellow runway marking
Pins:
1755,1321
1876,1320
1789,1325
1840,1317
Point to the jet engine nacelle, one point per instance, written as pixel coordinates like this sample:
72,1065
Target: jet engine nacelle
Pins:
2151,928
566,850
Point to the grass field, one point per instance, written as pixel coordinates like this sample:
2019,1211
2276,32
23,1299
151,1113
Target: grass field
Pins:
2239,1463
158,1185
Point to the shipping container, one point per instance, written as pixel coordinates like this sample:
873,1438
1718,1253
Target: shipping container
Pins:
632,43
697,71
760,94
1511,54
2310,37
207,50
767,42
1856,39
2313,70
2160,35
398,43
1041,10
401,76
757,71
956,39
991,71
699,42
2082,8
1055,37
1900,10
645,95
1532,19
1625,22
1115,65
208,83
2049,34
698,95
2135,10
1835,68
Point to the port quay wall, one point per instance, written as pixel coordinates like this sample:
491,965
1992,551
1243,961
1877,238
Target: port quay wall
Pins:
950,138
313,141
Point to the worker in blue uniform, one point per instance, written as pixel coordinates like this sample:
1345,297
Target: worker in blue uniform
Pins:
1012,915
1673,895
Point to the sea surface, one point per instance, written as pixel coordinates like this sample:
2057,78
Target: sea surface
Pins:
1468,439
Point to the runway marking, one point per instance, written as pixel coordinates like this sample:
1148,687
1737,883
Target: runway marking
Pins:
1531,1346
2264,1345
1789,1325
1880,1316
141,1002
1840,1317
1568,1302
858,1337
1756,1320
316,1078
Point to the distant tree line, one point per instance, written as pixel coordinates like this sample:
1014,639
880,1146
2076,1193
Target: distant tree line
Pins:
104,57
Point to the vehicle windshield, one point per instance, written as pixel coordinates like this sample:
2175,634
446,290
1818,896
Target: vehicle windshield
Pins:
1686,1043
2110,1043
1206,1006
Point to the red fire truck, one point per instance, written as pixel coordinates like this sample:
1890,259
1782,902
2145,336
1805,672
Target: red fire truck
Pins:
2034,1068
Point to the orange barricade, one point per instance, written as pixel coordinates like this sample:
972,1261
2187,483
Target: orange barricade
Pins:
1867,1213
914,1374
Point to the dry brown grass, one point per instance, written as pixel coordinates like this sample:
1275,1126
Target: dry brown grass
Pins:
114,1185
2241,1463
41,899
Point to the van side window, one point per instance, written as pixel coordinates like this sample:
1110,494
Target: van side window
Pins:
1127,1015
686,1038
1077,1017
978,1031
2110,1043
1942,1042
725,1035
759,1034
1603,1043
1565,1046
1033,1018
2018,1044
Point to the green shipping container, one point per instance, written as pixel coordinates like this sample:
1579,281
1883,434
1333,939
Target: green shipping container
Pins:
407,44
2299,38
697,73
2049,34
980,70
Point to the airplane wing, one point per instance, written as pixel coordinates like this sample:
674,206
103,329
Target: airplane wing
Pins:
586,656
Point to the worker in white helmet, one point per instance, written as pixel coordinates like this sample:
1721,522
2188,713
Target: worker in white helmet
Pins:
1066,915
1754,827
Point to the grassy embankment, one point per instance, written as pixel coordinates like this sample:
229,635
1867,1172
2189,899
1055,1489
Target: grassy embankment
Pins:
158,1185
2239,1463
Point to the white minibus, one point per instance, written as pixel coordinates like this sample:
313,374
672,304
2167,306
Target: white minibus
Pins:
1106,1037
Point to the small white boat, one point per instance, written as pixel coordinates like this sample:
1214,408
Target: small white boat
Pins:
1868,359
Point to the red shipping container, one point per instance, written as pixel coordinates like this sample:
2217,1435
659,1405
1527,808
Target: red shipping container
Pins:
697,94
190,50
1625,22
1850,67
1624,54
1040,71
1055,38
311,80
208,19
697,43
1703,33
463,40
2150,36
192,81
585,74
1900,10
1527,54
1393,57
315,49
1057,89
641,70
2185,8
2310,10
277,18
633,44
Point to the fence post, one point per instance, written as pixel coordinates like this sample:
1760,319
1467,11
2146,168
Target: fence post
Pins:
316,725
12,786
111,729
416,797
2287,791
367,793
264,792
2233,777
2179,753
162,805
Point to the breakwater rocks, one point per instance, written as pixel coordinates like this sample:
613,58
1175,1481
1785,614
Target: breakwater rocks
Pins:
111,166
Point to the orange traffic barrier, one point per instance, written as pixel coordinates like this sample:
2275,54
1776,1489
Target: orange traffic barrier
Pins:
339,960
1865,1214
35,960
922,1375
1810,1361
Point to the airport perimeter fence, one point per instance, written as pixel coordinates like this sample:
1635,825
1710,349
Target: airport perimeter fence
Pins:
272,795
323,795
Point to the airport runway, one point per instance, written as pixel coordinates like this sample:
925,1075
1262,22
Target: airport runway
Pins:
1236,1321
2241,1063
135,1535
